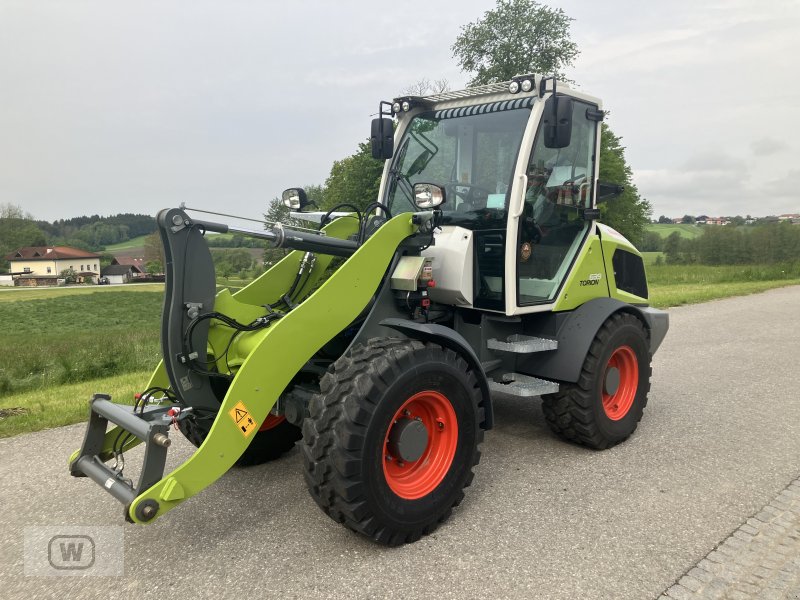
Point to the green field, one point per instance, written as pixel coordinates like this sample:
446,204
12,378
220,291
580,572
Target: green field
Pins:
14,294
137,242
61,345
674,285
684,230
53,337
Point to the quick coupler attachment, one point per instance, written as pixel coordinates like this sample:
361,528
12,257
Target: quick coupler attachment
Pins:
149,425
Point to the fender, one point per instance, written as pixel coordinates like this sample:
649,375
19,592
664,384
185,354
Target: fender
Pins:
430,332
577,330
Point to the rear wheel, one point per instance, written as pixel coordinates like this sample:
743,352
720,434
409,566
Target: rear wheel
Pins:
392,438
606,404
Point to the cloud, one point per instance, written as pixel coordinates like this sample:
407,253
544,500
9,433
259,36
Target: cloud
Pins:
768,146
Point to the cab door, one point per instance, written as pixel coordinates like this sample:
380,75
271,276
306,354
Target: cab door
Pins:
552,229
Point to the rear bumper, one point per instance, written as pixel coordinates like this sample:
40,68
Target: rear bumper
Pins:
658,323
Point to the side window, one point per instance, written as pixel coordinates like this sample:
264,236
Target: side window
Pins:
552,228
564,175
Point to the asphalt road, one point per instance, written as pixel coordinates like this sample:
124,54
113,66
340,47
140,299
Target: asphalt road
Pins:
543,519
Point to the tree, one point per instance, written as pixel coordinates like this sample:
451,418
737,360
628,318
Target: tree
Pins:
664,219
651,242
17,230
523,36
68,275
426,87
688,220
517,37
154,267
628,213
153,252
672,247
354,180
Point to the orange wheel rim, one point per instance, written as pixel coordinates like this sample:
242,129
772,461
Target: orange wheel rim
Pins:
412,480
271,421
623,368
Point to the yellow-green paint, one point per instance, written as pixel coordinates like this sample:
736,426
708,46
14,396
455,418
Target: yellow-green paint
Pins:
610,245
244,306
269,287
279,352
579,287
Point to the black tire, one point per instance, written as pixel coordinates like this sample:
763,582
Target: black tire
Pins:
577,412
345,438
267,445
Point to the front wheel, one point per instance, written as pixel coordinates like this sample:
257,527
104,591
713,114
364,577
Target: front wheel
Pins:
392,438
606,404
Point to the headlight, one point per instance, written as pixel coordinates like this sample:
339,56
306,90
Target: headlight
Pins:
428,195
513,87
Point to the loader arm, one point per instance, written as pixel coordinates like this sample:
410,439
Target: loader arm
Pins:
273,356
266,289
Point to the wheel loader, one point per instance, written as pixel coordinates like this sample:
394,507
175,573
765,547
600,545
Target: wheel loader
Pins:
379,343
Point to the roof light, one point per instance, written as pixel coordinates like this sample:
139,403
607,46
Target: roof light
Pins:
406,105
527,85
396,107
513,87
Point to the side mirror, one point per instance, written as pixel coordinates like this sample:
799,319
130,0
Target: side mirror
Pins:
428,195
608,191
295,198
382,138
557,121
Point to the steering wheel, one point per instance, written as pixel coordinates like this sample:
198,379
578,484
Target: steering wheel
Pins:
469,194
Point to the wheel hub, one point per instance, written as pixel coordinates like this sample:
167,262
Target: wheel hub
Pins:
611,383
420,445
620,382
408,439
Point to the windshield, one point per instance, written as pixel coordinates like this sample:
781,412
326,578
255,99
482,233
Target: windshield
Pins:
471,156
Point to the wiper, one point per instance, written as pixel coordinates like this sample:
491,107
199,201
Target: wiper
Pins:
404,185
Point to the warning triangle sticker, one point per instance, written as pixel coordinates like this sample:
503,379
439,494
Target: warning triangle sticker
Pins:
243,419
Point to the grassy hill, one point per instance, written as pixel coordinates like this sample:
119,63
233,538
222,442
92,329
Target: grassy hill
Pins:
684,230
136,243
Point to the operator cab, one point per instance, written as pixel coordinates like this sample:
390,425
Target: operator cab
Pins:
514,217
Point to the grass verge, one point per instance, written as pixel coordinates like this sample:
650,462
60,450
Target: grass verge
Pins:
664,296
675,285
63,405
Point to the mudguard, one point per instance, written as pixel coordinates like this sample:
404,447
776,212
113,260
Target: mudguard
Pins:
449,338
577,331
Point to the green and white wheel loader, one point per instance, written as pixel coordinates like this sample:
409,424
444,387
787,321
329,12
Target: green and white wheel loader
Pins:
479,271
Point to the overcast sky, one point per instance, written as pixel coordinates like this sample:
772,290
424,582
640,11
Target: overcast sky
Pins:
110,107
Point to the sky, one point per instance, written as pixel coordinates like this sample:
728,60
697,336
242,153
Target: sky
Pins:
109,107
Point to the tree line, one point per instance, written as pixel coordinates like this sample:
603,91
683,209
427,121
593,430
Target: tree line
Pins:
766,243
93,233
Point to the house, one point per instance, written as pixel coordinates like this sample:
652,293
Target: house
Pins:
41,265
117,273
132,261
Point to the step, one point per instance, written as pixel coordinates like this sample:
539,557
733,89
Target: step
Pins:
522,344
523,386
